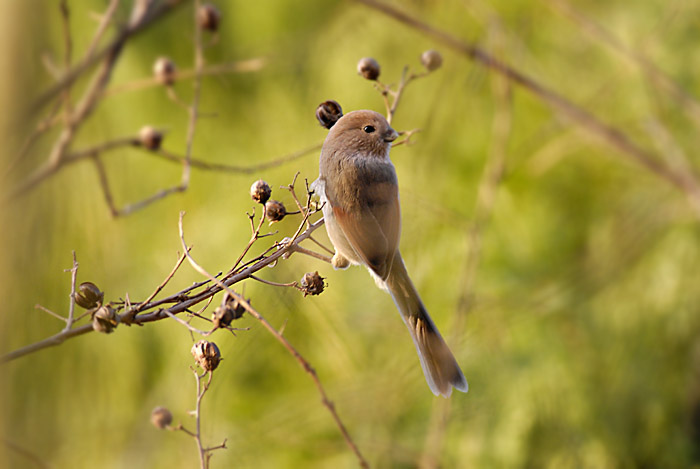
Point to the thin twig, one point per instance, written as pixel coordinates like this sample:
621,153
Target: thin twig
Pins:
129,314
49,312
386,91
73,279
104,184
68,55
47,171
190,326
321,245
275,284
308,252
197,87
241,66
241,169
101,28
255,235
161,194
201,390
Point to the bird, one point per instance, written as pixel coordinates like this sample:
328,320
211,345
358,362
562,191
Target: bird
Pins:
358,191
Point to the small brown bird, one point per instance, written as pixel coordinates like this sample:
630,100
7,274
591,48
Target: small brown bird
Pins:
358,187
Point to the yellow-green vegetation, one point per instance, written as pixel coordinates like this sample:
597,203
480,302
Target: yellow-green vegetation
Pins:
568,291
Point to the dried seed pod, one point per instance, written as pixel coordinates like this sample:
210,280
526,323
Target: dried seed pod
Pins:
312,283
275,210
230,310
206,354
368,68
165,71
260,191
88,295
431,60
150,138
161,417
328,113
208,17
105,319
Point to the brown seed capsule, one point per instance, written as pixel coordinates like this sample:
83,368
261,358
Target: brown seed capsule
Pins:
368,68
161,417
150,138
208,17
165,71
230,310
312,284
88,295
260,191
275,210
206,354
431,60
105,319
328,113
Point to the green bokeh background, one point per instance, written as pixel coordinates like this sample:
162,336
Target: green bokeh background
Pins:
581,337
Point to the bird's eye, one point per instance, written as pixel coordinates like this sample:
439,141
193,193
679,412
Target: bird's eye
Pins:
369,129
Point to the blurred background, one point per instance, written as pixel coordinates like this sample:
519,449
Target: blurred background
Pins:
563,274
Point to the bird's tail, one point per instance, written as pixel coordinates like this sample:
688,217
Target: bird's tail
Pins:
439,365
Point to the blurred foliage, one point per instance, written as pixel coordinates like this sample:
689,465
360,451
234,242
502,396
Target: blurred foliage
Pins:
581,345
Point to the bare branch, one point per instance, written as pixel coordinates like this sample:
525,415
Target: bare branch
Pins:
104,23
302,361
181,301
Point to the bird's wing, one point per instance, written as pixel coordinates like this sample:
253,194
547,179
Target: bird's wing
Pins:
372,226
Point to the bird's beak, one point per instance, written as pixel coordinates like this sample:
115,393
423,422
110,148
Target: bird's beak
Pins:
391,135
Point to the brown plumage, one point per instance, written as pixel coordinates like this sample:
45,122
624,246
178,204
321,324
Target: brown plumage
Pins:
358,185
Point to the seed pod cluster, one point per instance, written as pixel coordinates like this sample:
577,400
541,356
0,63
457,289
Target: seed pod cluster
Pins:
229,311
206,354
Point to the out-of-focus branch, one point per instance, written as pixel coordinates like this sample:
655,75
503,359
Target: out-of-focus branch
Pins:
606,37
101,149
492,175
75,117
193,110
684,181
101,28
241,66
140,21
